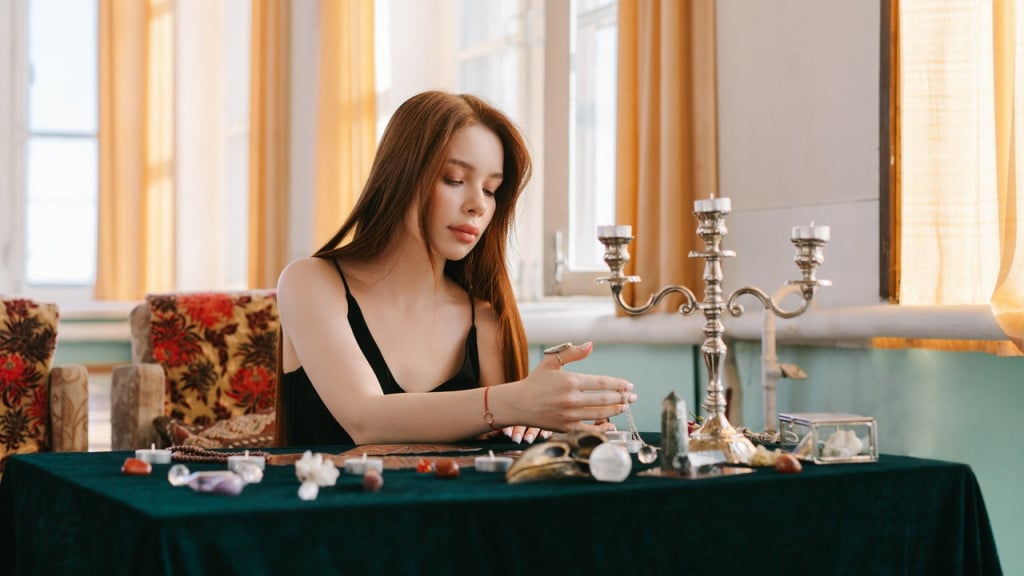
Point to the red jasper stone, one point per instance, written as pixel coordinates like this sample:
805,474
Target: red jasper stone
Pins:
424,465
136,467
373,481
446,469
788,464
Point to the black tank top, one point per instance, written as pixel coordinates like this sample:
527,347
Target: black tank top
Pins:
310,423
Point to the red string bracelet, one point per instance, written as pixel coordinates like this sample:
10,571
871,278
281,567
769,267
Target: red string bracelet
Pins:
488,416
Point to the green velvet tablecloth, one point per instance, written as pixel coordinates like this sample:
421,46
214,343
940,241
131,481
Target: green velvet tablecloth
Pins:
74,513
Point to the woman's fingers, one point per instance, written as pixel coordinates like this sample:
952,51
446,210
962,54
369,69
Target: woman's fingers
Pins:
517,433
531,434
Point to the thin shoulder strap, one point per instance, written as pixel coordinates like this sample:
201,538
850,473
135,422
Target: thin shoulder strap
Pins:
340,273
472,310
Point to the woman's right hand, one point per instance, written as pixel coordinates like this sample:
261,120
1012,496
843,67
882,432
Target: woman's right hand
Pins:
554,399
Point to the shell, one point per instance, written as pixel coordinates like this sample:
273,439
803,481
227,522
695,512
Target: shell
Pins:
562,456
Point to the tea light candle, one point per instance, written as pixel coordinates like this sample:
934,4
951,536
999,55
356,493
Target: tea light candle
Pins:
153,456
723,205
492,463
812,232
614,231
618,435
361,465
257,461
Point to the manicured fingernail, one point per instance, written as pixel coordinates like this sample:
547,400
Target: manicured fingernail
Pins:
632,398
528,438
588,345
629,385
517,438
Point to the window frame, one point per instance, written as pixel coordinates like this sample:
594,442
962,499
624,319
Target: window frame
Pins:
559,278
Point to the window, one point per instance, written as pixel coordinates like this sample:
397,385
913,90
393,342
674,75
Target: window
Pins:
947,240
579,180
49,163
50,118
547,65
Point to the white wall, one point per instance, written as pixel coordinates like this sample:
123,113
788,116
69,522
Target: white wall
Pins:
798,121
302,175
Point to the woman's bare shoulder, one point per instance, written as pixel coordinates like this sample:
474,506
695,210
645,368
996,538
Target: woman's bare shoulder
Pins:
298,271
308,280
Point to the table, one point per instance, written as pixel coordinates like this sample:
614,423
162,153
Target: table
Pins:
74,513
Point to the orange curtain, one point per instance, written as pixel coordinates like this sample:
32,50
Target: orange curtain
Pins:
1008,297
346,111
269,128
667,136
136,142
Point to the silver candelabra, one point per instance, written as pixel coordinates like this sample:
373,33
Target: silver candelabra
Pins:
716,433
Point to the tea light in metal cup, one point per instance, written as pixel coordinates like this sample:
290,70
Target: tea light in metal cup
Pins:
812,232
723,205
492,463
257,461
618,435
615,231
153,455
361,465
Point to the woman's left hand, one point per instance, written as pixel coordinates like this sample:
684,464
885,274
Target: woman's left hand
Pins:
525,434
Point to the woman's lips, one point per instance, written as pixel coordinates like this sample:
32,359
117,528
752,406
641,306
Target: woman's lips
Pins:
467,234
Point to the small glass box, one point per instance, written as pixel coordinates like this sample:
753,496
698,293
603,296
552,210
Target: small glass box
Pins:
829,437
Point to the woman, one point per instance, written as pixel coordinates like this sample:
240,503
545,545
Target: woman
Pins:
399,334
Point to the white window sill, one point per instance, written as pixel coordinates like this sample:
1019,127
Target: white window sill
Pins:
594,319
583,320
94,321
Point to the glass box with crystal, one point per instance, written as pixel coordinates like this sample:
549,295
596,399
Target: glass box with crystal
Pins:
829,437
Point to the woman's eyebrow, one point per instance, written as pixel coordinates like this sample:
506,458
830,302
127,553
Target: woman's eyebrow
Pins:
468,166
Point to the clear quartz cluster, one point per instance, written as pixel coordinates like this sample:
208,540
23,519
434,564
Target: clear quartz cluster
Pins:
843,444
314,471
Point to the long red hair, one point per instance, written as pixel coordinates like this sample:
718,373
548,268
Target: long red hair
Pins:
410,159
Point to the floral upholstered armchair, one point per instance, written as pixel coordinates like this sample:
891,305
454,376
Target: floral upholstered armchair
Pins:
43,408
203,372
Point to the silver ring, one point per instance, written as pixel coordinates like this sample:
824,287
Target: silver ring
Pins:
560,348
557,350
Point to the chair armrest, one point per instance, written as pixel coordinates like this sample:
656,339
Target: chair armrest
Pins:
69,408
136,398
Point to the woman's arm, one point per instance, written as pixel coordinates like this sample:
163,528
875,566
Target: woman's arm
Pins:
313,310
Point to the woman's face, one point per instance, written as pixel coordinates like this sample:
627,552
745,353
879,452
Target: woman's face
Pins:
462,202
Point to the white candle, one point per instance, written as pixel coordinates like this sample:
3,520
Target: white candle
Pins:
614,231
492,463
257,461
153,456
812,232
618,435
361,465
723,205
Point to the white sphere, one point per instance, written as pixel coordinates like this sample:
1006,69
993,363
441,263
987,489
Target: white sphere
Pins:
610,462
